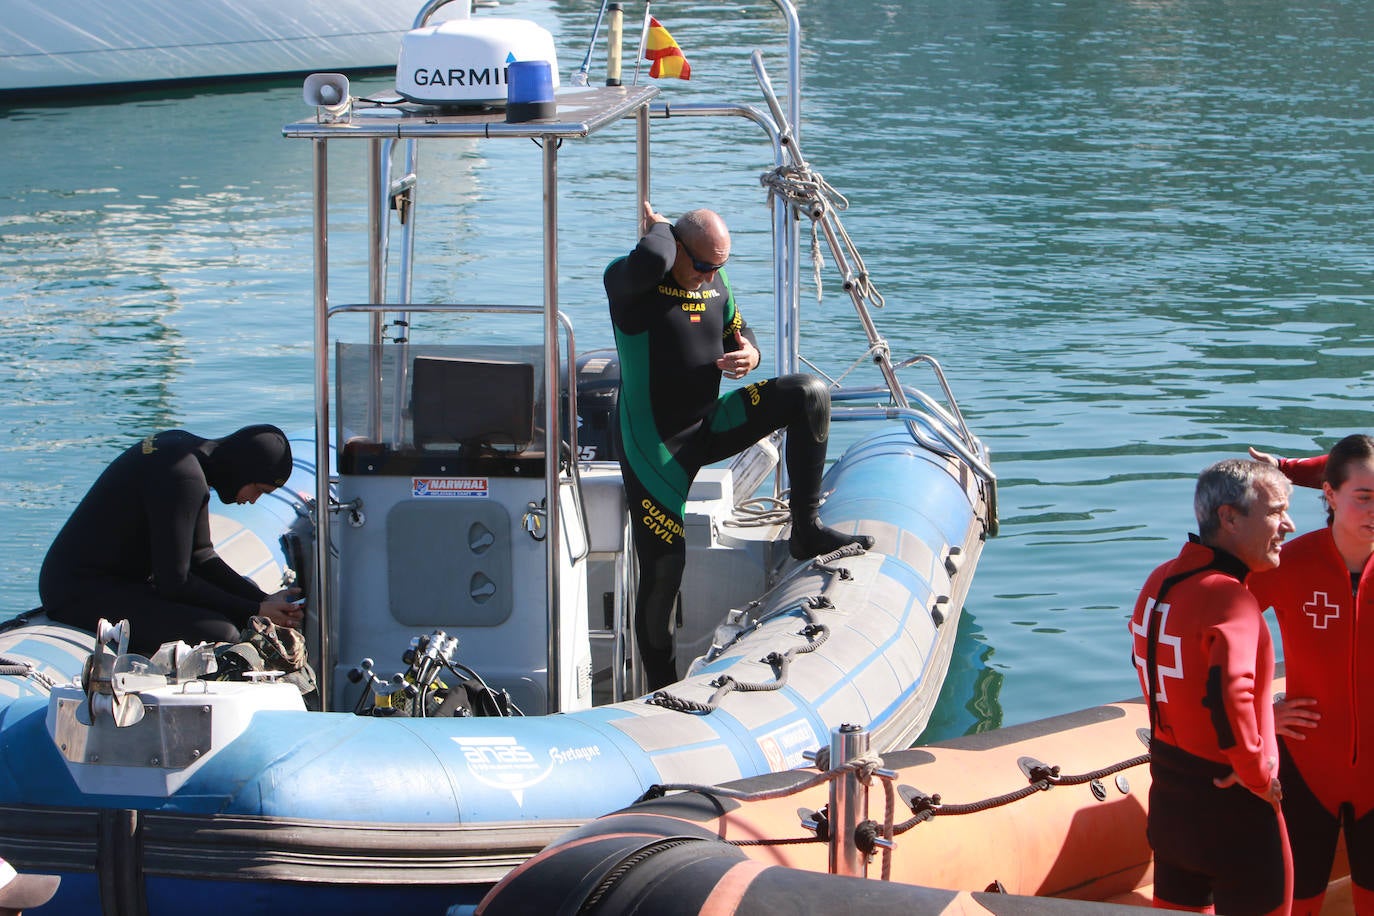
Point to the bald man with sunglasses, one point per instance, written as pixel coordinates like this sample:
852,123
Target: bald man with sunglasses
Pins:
677,331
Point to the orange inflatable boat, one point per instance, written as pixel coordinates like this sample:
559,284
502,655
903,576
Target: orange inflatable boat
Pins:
993,822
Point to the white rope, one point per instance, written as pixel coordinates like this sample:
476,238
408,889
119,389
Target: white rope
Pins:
27,669
759,512
808,191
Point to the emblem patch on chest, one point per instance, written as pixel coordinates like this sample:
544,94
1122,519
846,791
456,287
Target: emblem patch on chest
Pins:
1322,610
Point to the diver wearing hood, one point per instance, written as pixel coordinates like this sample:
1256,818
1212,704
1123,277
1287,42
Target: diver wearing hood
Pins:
138,545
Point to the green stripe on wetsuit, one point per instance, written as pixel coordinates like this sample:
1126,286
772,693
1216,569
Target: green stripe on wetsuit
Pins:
669,339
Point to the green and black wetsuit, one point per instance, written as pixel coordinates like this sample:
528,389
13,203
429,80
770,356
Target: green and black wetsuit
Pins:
674,421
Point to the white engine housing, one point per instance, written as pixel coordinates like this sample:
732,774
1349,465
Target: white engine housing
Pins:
463,61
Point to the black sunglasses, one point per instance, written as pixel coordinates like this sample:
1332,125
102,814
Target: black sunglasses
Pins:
701,267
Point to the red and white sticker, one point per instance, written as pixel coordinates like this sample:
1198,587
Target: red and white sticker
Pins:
449,487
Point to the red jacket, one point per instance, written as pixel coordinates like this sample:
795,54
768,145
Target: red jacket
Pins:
1215,663
1328,638
1305,472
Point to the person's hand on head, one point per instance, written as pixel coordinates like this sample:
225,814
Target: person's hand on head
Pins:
1265,457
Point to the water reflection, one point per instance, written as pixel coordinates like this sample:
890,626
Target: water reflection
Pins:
970,701
1134,234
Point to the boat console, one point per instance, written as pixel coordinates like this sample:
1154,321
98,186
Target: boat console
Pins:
442,476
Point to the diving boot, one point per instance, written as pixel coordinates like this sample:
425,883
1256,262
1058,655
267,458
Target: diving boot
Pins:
806,441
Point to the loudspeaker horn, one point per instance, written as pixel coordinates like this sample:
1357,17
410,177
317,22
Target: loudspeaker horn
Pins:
328,92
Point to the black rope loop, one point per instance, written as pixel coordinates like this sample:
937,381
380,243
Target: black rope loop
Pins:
785,841
840,572
679,704
823,561
1099,774
820,818
816,636
653,793
866,834
1042,778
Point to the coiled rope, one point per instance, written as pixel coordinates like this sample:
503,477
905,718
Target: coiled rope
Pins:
760,511
808,191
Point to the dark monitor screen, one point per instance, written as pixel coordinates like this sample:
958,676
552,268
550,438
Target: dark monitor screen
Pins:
472,402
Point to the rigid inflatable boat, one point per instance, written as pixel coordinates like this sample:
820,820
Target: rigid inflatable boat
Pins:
470,583
1045,817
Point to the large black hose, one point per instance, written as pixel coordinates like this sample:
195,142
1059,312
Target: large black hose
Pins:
634,862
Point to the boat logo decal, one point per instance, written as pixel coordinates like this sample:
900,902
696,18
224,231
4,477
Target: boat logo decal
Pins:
1321,610
1141,631
783,747
458,76
568,755
449,487
505,763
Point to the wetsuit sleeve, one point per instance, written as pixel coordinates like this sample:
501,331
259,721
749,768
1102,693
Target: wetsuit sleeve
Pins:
1305,472
627,279
744,331
179,529
1233,647
220,574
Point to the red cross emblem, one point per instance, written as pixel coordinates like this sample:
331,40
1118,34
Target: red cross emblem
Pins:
1321,610
1141,632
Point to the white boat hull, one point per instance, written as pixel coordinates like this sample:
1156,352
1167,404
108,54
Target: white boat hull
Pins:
68,44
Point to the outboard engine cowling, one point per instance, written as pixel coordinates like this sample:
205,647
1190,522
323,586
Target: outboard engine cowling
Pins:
598,395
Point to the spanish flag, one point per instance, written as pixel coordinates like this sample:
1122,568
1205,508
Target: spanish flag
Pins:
666,55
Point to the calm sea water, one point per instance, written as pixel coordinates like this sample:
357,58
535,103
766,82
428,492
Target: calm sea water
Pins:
1136,234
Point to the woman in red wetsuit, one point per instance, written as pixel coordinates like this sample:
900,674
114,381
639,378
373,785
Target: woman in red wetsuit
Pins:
1323,595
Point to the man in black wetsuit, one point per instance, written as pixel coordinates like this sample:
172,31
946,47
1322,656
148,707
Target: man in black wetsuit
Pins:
138,545
676,330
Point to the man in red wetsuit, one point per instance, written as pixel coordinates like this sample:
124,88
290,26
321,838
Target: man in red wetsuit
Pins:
1206,661
1323,596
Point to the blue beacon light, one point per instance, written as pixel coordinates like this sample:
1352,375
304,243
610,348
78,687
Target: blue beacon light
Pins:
529,91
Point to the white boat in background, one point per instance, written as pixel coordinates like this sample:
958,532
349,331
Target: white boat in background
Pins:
74,45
